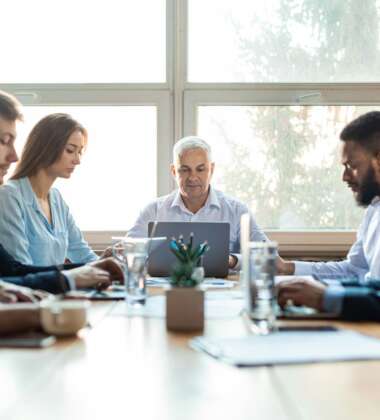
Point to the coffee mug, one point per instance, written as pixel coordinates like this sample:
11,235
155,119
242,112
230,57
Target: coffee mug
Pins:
64,317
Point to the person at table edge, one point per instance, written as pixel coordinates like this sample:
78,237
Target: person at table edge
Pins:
355,292
54,278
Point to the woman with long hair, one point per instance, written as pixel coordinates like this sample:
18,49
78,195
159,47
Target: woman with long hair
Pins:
36,225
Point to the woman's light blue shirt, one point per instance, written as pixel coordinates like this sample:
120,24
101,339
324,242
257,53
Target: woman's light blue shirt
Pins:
28,236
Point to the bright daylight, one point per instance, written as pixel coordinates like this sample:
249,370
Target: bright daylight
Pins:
189,209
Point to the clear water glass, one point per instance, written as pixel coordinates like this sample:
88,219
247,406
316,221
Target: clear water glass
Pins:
260,286
132,253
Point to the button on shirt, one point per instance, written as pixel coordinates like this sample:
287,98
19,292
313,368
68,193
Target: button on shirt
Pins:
218,208
362,262
28,236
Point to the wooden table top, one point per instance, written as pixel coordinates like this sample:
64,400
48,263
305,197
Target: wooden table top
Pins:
132,368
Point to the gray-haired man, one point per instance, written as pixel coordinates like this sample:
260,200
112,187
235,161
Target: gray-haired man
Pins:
196,200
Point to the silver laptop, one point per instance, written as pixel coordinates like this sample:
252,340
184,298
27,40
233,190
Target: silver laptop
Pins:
215,261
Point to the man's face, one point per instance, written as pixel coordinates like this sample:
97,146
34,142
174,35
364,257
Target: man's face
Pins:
361,172
193,172
8,153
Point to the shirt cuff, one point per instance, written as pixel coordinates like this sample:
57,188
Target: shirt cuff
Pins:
331,282
303,268
333,299
70,279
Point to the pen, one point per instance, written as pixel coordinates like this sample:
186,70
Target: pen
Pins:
221,283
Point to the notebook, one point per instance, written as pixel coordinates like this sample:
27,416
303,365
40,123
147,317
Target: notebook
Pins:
290,347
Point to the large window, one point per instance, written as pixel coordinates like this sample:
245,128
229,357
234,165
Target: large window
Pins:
118,170
106,63
269,84
284,41
86,41
283,161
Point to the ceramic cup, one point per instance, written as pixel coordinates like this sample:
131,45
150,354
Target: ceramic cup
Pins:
64,317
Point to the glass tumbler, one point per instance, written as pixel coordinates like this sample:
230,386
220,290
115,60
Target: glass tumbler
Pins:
260,286
132,253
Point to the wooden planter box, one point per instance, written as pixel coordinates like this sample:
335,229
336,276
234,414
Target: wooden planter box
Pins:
185,309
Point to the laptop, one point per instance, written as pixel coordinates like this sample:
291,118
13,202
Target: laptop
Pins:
215,261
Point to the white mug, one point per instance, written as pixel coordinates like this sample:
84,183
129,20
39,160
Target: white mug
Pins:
64,317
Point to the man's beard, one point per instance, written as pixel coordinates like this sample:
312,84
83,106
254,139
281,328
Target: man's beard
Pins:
368,190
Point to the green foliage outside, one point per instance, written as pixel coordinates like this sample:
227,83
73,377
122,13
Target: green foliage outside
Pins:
284,191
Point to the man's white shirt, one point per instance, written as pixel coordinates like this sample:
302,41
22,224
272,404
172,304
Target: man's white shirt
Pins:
218,208
363,259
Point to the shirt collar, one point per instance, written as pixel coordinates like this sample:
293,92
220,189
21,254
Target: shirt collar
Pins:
30,196
27,191
212,200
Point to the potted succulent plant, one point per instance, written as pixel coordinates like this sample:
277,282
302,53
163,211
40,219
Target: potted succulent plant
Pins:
185,300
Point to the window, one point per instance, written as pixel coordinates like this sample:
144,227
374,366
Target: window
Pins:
274,41
118,171
283,161
269,84
107,64
87,41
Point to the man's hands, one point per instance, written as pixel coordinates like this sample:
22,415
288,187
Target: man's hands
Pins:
10,293
108,252
111,266
88,276
99,274
284,268
301,291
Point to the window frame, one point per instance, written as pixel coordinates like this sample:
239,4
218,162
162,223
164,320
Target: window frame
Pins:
177,101
159,95
307,243
296,242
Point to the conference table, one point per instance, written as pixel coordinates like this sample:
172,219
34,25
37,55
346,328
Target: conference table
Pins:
133,368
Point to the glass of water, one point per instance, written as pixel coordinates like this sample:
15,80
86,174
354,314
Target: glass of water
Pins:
132,253
260,287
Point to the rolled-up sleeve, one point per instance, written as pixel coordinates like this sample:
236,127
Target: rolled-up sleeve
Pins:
332,269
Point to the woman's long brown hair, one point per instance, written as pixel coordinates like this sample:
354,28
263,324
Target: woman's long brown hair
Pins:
46,143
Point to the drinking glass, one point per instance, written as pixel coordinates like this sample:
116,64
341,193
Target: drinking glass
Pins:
132,253
260,287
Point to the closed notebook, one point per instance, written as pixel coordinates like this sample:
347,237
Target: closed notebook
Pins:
290,347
